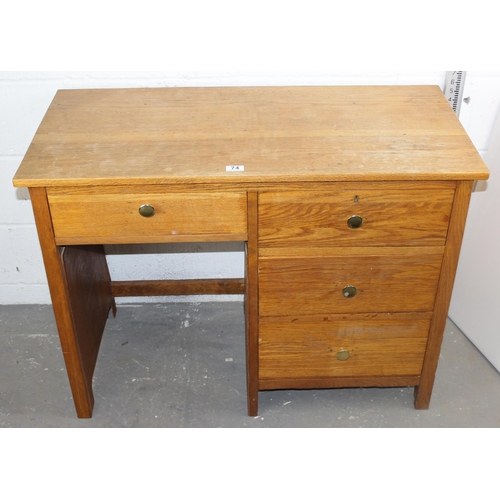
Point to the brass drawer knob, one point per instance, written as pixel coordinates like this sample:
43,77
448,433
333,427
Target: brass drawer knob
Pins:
355,221
349,291
342,355
147,210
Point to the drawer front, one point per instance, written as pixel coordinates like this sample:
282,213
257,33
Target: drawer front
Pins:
348,346
392,280
115,218
402,217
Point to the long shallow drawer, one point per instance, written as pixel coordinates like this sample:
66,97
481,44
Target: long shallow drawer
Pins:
380,280
342,346
383,217
114,217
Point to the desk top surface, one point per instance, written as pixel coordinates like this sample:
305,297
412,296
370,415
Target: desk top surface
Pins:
279,134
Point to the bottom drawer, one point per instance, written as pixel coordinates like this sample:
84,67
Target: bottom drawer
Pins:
360,345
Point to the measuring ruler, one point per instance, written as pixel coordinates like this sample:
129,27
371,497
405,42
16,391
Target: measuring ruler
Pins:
454,89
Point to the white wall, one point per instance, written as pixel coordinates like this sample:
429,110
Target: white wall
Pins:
24,98
476,296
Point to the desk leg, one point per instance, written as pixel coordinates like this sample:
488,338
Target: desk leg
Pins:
80,289
252,307
443,295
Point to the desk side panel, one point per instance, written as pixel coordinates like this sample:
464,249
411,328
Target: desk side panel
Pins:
90,295
76,341
443,296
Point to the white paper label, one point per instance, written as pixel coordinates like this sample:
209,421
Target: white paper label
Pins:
235,168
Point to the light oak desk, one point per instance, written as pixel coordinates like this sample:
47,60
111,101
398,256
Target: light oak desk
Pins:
352,203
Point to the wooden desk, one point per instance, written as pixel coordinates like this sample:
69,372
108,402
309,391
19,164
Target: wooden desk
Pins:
352,204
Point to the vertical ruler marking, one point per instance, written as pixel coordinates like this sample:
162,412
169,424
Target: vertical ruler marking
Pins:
454,89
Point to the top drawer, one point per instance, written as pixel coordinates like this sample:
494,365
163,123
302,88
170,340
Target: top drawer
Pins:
112,215
388,217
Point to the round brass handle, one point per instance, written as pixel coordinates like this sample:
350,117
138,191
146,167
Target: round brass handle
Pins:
147,210
342,355
355,221
349,291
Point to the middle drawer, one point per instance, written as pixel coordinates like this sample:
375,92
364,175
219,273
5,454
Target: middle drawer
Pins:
380,280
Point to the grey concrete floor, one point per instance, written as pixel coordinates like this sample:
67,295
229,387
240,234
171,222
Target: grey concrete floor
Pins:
183,365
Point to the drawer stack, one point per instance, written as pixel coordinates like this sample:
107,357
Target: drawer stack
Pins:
347,282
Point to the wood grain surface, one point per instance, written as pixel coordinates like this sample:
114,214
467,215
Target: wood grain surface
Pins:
183,135
114,218
378,345
387,280
411,215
